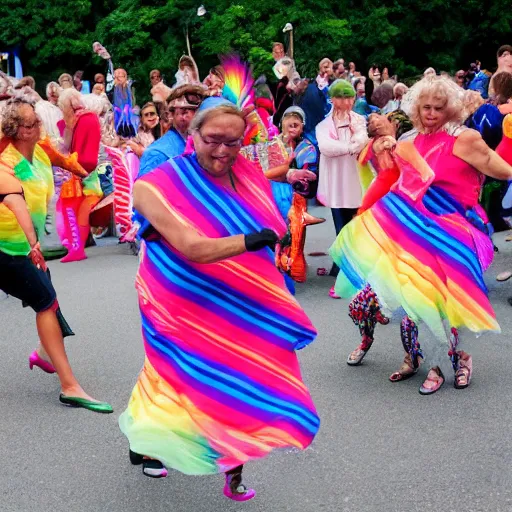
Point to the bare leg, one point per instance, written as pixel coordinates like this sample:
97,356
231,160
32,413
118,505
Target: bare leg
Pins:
42,353
53,345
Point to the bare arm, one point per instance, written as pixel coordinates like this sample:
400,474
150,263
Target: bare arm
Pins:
278,173
193,246
18,206
471,148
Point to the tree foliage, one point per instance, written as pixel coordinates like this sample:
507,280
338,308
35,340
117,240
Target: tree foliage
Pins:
405,35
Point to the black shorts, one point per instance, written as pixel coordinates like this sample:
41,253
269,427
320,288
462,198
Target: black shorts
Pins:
20,278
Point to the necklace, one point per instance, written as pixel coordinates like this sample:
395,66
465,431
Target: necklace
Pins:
231,179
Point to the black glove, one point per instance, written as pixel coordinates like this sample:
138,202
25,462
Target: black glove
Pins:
257,241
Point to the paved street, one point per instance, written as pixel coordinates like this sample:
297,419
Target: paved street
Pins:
382,447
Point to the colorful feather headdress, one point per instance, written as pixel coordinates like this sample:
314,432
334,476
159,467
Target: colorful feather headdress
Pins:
238,81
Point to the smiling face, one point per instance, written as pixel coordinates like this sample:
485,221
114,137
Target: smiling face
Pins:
149,117
433,112
218,143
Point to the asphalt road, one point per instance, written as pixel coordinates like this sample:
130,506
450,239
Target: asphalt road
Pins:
382,447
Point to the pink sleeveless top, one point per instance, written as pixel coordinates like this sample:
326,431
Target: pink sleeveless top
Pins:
452,174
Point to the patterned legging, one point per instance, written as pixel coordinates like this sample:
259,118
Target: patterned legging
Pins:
365,312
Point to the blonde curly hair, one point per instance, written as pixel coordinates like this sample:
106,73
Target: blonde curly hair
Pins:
438,87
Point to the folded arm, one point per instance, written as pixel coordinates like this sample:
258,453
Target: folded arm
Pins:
193,246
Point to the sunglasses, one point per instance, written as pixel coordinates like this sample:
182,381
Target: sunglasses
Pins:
193,99
149,114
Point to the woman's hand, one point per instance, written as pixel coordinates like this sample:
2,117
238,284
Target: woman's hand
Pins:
137,148
384,144
37,258
257,241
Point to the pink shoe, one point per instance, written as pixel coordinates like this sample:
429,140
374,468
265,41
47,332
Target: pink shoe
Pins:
240,494
36,360
332,294
74,256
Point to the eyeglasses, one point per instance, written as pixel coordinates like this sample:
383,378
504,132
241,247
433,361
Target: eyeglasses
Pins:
149,114
36,123
216,144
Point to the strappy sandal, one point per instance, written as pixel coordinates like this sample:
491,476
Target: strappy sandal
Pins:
356,357
406,371
463,374
430,378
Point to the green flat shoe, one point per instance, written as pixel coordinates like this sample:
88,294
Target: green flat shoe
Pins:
73,401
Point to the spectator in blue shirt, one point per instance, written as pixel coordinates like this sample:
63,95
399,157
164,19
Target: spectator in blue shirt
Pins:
183,103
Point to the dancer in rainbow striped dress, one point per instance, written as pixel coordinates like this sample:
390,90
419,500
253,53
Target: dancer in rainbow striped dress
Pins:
425,245
221,383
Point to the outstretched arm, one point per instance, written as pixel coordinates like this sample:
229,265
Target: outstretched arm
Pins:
471,148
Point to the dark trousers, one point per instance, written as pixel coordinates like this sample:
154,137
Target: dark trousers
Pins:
341,217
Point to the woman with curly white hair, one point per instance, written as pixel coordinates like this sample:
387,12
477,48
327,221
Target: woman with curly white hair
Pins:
425,245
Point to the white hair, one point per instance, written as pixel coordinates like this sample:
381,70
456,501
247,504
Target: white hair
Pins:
70,97
437,87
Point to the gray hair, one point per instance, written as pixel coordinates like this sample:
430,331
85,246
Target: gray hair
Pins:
12,118
70,96
203,116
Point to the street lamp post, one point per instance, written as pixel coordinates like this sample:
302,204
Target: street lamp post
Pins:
201,11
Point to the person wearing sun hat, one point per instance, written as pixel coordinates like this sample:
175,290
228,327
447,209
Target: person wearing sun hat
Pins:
341,136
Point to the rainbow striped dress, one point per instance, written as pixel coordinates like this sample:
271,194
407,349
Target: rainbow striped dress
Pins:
425,245
221,382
